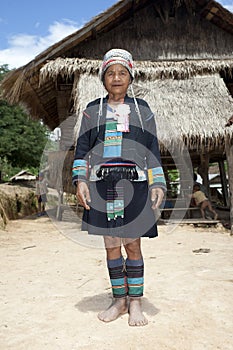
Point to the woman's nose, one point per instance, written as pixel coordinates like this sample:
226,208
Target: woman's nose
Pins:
116,76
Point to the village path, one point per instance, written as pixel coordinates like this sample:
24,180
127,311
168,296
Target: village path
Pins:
52,288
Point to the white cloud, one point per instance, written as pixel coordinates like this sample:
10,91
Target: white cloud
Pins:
228,4
24,47
229,7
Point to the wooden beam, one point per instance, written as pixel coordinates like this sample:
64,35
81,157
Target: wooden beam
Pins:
203,171
229,154
185,168
223,182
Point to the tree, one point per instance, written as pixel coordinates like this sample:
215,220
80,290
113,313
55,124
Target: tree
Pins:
22,140
3,70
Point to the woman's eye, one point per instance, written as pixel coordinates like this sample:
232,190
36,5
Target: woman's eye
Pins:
111,74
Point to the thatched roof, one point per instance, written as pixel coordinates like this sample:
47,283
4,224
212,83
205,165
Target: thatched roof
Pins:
67,67
23,175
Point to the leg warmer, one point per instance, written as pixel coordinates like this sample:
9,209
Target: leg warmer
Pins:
117,276
135,277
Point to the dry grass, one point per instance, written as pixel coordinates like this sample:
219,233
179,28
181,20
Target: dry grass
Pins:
15,202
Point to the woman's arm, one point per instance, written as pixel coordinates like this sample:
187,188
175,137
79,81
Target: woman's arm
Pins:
156,179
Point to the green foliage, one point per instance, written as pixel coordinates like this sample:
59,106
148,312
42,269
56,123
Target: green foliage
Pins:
7,170
3,70
173,175
22,140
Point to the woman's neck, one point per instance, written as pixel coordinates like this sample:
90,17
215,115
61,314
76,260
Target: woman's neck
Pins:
116,99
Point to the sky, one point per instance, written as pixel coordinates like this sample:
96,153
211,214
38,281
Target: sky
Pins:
29,27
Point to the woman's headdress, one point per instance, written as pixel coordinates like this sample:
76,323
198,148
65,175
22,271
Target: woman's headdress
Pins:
117,56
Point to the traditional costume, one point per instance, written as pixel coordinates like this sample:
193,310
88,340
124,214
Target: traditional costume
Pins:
117,153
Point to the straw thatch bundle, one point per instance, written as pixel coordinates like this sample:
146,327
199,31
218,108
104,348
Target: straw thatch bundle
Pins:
192,111
13,85
16,202
67,67
3,217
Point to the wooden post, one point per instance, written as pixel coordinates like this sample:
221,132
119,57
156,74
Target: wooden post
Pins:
66,140
223,182
186,175
166,175
229,154
203,171
59,206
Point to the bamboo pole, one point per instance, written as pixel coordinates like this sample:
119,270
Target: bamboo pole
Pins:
223,182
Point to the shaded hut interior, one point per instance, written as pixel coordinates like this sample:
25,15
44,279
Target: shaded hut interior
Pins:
183,53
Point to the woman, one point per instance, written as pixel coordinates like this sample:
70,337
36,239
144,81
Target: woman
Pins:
120,181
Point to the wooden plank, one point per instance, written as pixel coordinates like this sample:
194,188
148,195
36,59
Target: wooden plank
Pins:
180,209
186,212
192,221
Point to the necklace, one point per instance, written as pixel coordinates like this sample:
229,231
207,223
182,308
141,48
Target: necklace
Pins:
121,115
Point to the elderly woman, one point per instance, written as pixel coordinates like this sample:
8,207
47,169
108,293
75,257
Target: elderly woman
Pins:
120,181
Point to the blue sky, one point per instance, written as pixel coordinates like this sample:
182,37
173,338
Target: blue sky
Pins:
29,27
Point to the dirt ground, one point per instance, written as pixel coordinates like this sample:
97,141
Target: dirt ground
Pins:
52,286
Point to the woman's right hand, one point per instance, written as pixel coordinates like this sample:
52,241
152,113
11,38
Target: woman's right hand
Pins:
83,194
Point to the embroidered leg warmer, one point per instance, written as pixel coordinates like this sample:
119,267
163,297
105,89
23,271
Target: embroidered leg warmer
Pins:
117,276
135,277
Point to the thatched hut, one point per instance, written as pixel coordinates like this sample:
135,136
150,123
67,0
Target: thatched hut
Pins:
24,177
183,52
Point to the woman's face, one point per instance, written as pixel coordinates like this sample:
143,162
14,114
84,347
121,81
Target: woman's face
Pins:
117,79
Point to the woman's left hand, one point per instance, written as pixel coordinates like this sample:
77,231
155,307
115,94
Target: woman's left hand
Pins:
157,195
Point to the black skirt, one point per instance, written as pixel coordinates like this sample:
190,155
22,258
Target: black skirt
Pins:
138,221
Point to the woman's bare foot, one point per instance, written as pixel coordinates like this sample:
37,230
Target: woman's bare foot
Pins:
136,317
118,308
